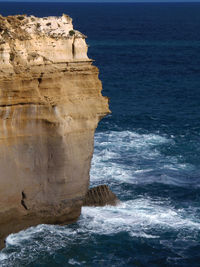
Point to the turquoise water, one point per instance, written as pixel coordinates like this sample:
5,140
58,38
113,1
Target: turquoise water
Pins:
147,150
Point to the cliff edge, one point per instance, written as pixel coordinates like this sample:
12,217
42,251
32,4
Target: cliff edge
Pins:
50,105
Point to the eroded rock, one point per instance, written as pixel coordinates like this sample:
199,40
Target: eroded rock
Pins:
100,196
50,105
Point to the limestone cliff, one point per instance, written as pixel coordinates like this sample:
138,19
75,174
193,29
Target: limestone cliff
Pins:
50,105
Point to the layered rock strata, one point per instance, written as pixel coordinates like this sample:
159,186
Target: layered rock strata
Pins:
50,105
100,196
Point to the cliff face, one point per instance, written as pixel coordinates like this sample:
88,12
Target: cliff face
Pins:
50,105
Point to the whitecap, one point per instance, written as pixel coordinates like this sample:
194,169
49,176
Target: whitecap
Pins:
134,158
74,262
136,216
144,218
3,256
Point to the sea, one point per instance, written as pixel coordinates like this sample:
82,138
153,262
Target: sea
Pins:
147,150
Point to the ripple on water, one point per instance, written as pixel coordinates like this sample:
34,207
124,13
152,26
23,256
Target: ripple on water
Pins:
121,158
134,158
140,218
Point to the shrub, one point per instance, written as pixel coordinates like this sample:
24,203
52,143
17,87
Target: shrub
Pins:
21,17
71,33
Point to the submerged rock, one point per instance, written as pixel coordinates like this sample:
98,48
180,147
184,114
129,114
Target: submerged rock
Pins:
50,105
100,196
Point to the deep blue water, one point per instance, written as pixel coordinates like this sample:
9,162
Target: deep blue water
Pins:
148,150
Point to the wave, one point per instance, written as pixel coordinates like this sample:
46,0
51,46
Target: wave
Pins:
119,158
140,218
131,43
130,157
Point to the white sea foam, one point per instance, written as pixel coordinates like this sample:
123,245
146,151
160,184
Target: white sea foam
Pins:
3,256
139,217
33,241
120,157
133,158
75,262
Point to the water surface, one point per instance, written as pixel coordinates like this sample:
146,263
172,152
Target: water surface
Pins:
147,150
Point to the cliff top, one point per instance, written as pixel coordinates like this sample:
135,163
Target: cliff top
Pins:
27,41
23,27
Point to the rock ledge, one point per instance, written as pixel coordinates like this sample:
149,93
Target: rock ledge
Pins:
100,196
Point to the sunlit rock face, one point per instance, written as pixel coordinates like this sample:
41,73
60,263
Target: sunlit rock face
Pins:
50,105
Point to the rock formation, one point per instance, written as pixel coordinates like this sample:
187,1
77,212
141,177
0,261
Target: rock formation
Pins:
50,105
100,196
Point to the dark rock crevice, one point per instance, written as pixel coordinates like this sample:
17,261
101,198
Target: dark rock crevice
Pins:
23,201
40,78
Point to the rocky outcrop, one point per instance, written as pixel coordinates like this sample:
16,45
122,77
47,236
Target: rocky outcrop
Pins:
50,105
100,196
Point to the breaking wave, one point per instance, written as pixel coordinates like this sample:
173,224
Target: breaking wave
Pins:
140,218
136,158
119,158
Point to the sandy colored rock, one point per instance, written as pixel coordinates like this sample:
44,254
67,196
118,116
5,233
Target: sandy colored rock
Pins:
50,105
